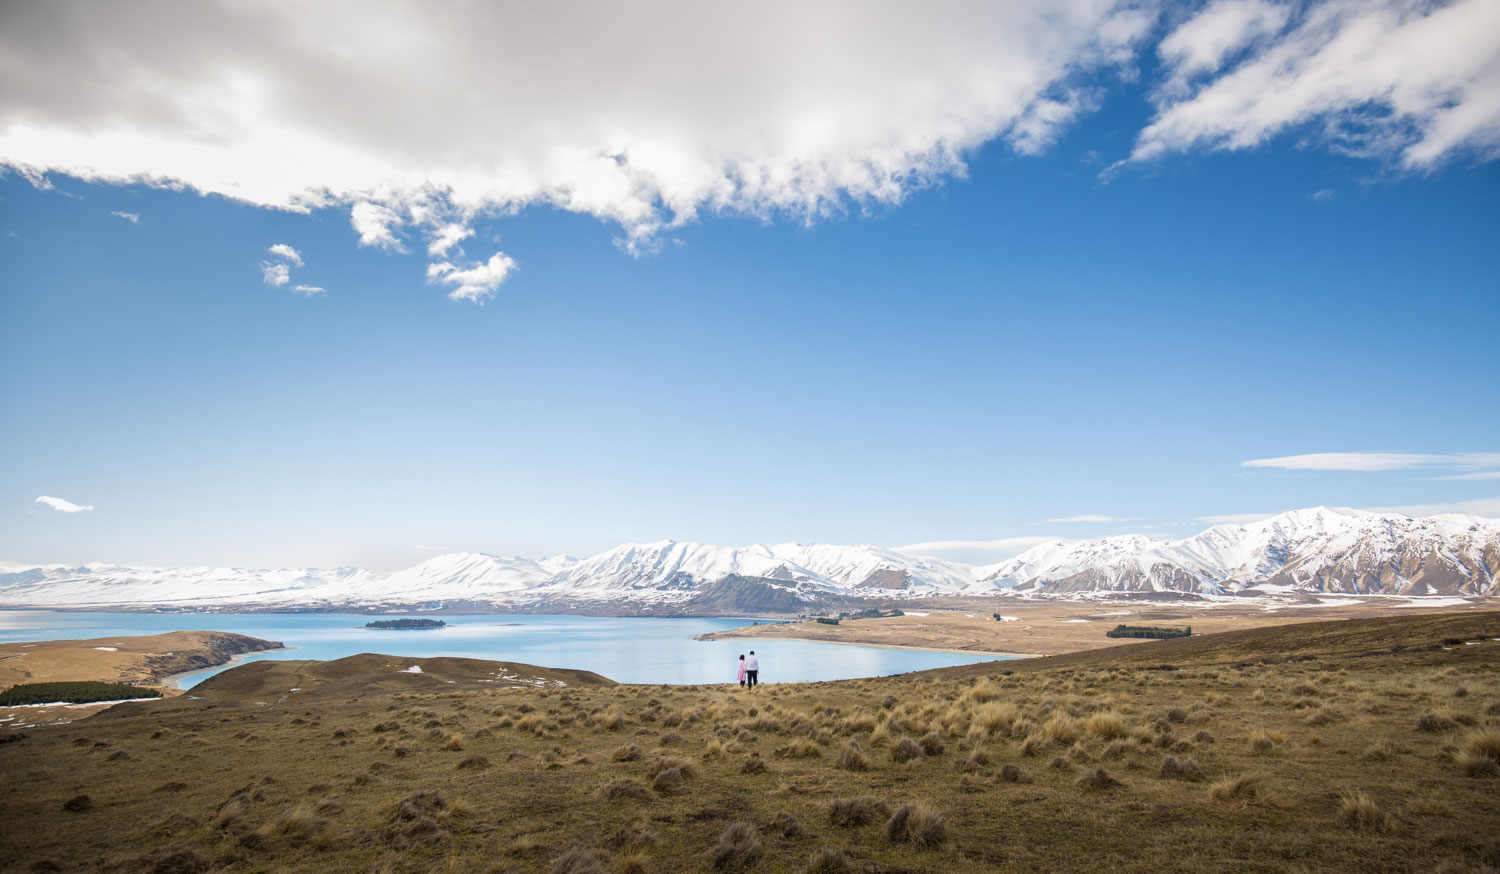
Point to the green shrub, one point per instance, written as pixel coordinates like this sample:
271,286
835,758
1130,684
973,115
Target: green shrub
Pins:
72,693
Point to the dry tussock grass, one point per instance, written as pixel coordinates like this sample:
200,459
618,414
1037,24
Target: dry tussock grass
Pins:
917,823
335,798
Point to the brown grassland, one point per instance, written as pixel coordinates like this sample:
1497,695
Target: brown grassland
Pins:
1360,745
1046,627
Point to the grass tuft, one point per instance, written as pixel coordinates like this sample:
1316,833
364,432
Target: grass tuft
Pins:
917,823
1013,774
906,750
852,757
1098,778
857,811
1436,722
739,847
829,861
1482,742
1359,811
1240,788
1173,768
1106,724
787,826
578,862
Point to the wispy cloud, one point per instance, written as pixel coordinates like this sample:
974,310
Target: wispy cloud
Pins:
1235,518
278,273
63,506
1482,475
1322,195
132,217
1004,544
474,283
284,251
446,237
1376,461
1489,507
1416,82
275,273
1093,518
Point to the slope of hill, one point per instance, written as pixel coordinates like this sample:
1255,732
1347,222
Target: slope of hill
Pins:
1366,746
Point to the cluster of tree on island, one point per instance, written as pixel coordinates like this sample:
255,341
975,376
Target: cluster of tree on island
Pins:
72,693
1156,632
406,623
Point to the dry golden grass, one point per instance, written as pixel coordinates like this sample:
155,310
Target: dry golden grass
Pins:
314,783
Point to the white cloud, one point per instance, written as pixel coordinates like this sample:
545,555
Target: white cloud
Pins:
446,237
1376,461
1413,81
417,115
275,273
1202,44
1481,507
1322,195
476,283
132,217
1235,518
1004,544
287,252
1093,518
374,222
1482,475
63,506
309,290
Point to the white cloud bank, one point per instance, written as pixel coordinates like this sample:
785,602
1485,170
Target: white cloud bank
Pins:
423,118
63,506
132,217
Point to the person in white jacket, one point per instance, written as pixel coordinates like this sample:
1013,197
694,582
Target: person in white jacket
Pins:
752,670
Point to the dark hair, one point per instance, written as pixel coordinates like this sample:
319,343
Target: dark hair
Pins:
752,652
742,656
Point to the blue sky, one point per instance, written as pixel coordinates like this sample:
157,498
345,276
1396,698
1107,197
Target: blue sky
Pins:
1021,335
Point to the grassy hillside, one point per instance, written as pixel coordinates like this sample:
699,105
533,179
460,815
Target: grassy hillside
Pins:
1345,746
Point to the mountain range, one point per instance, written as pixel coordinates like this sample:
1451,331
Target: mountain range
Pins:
1317,550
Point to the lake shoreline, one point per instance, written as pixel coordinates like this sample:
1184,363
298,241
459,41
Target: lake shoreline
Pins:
173,681
630,650
731,635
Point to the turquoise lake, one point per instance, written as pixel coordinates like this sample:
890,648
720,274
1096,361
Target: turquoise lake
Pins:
630,650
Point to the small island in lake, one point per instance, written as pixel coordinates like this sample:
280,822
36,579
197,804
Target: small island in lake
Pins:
407,623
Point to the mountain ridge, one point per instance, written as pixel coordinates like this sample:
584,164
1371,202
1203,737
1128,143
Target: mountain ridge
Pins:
1312,550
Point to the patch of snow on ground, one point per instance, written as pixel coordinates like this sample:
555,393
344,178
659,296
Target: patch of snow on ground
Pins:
909,613
1435,602
1010,619
1074,620
108,648
1117,613
414,669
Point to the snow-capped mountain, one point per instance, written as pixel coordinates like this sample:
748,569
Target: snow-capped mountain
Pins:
1321,549
1316,550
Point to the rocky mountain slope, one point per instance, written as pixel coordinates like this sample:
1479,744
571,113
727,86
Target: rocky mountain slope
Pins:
1318,550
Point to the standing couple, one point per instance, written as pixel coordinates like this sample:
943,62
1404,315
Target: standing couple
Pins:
749,670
